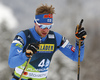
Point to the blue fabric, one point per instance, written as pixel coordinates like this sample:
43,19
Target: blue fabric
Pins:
17,57
42,19
15,79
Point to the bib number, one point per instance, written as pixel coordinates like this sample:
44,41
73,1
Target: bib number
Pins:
44,63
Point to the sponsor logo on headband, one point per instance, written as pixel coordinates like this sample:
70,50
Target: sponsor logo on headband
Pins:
48,16
44,18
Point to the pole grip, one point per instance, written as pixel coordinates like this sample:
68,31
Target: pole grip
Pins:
80,25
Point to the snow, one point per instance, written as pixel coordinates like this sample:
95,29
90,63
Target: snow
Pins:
6,14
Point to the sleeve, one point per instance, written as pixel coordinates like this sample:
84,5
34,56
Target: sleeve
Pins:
69,50
16,55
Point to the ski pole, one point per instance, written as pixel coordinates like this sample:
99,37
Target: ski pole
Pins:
25,67
78,27
37,47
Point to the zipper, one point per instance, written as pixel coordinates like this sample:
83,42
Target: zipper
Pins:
40,40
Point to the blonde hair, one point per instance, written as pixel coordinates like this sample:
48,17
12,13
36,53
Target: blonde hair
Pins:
43,9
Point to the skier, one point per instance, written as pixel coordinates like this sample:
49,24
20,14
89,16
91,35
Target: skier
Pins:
40,43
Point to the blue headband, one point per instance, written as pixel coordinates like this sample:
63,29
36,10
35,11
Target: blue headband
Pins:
44,18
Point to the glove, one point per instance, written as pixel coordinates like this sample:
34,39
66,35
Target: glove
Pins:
80,34
31,49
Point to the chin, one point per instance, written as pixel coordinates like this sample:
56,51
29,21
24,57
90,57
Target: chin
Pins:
43,35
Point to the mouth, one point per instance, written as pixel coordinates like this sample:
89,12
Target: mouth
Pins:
44,34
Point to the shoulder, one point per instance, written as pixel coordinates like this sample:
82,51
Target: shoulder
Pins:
56,34
21,33
58,38
20,37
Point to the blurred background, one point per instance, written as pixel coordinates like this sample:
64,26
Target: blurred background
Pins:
17,15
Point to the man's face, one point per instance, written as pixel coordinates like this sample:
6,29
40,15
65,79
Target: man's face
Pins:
42,32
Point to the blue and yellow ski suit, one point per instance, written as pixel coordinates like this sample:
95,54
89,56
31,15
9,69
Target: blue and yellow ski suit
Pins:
37,69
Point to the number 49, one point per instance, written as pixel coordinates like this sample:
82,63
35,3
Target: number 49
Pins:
44,63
